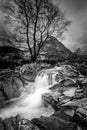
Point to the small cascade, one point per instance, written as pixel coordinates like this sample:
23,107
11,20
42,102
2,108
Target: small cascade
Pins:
41,81
52,79
31,105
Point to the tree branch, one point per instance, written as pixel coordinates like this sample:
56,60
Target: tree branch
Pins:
27,29
42,43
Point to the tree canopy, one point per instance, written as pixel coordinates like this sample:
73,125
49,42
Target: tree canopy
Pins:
34,21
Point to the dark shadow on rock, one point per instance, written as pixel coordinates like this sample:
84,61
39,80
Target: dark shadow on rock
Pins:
58,121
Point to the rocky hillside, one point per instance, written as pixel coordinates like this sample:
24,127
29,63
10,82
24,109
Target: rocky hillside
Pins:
10,55
7,47
54,49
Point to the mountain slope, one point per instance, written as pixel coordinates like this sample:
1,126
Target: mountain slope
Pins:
55,49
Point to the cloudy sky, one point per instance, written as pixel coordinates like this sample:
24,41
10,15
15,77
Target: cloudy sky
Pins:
76,11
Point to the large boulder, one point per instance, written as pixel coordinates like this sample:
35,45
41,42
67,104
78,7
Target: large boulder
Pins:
50,100
77,103
80,117
2,96
27,125
11,86
58,121
17,123
1,124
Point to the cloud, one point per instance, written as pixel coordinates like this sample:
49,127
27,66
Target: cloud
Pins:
76,11
73,6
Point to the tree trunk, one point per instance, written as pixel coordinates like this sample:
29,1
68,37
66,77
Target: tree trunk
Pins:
29,44
34,59
35,31
27,30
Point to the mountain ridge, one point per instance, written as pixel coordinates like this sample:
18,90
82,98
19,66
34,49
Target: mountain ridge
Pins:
53,48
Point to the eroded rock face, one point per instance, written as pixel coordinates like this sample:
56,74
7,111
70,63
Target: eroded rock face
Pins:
58,121
27,125
16,123
13,87
50,100
79,108
10,87
2,96
1,124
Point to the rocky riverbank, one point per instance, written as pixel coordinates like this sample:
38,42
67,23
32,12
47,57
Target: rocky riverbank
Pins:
60,120
68,97
13,83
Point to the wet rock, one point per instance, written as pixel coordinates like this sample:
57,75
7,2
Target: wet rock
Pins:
63,99
50,100
67,82
1,124
82,103
58,121
11,86
11,123
25,124
82,111
54,87
29,71
2,96
80,117
18,118
79,93
17,123
8,124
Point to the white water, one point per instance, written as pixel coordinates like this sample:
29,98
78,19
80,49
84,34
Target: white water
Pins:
30,105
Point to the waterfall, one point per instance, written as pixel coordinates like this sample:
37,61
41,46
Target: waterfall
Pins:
30,105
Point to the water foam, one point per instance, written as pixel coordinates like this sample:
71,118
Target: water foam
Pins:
30,105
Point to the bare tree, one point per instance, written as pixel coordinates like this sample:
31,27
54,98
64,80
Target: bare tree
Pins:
35,21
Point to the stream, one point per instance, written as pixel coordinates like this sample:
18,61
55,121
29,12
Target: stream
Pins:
31,105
